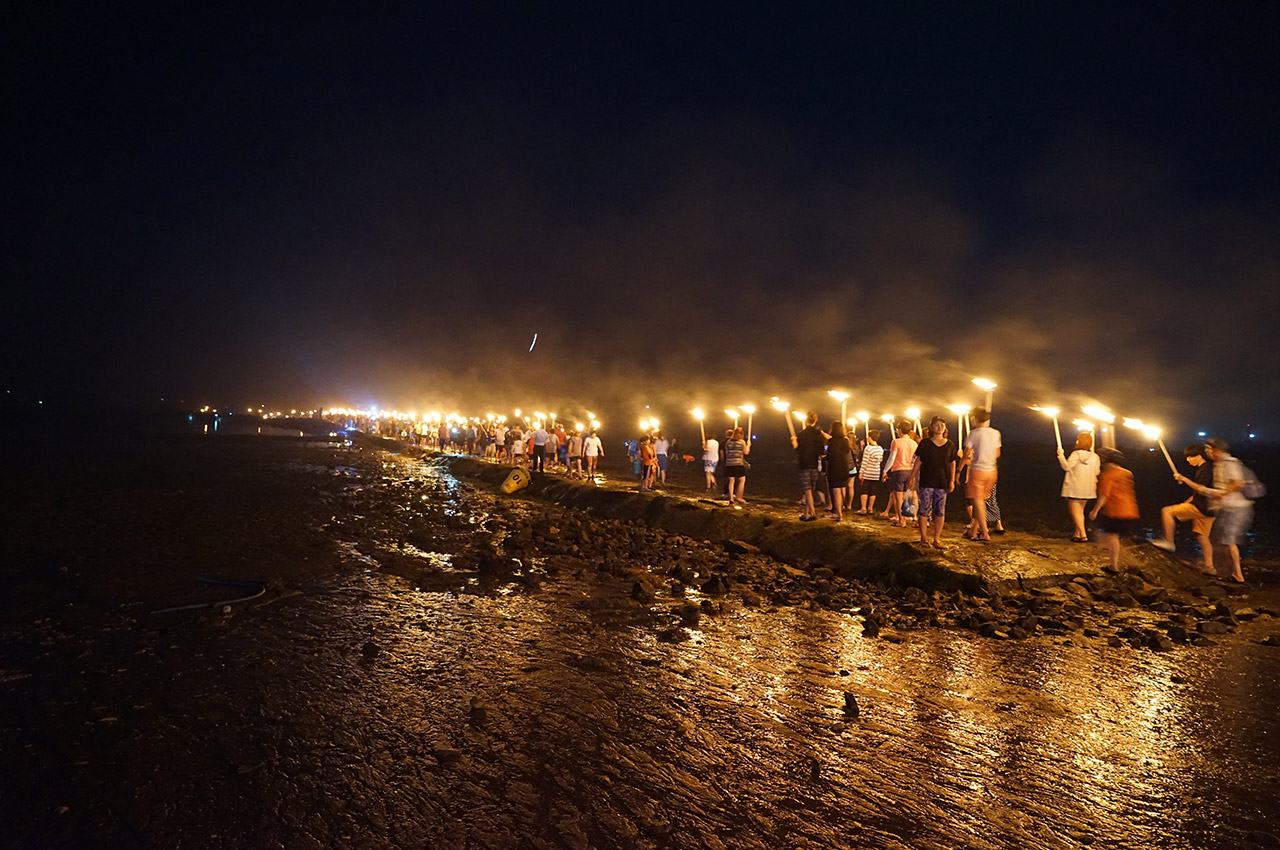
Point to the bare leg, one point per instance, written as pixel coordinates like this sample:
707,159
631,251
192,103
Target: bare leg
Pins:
1076,509
938,522
1111,545
808,504
980,517
1236,574
742,485
837,501
1206,551
1167,522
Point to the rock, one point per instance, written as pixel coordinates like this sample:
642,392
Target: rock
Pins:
674,634
891,637
1114,640
870,627
1246,614
1018,633
815,769
715,586
1201,640
741,547
690,614
1211,591
1270,640
477,714
1213,627
447,755
641,593
370,649
1092,633
751,599
988,629
1178,633
850,705
1160,643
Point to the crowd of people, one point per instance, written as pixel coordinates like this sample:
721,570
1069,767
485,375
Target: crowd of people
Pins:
918,471
909,477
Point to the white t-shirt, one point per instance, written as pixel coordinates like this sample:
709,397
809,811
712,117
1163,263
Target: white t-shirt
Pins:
985,442
592,446
1225,470
712,454
661,446
540,437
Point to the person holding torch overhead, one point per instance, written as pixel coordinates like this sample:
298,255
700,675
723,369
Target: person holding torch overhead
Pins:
1080,484
808,444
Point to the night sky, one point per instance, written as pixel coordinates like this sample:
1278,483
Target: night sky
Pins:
233,206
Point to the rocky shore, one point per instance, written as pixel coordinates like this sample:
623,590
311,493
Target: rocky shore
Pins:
668,548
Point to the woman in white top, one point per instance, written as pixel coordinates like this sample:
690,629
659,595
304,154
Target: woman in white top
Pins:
1080,484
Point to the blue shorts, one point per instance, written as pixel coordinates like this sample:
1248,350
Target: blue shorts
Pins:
933,502
898,480
662,462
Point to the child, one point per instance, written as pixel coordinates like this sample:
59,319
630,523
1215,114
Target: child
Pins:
869,472
1117,502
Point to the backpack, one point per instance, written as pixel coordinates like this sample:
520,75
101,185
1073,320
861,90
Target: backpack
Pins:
1253,488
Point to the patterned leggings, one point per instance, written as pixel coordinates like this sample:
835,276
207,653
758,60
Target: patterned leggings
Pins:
993,508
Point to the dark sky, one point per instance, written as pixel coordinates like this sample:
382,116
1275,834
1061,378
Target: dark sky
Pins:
236,206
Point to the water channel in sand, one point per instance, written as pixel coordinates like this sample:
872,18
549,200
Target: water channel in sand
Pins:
406,699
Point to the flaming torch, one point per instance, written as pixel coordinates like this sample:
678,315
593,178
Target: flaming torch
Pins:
750,409
961,411
1052,413
1097,411
990,387
843,398
1152,433
699,415
782,407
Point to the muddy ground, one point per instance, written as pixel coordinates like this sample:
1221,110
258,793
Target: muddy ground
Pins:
434,665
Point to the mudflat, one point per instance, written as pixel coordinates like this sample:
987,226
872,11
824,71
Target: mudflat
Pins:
433,664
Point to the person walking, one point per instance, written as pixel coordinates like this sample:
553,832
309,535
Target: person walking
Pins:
933,476
1118,504
648,463
1195,509
736,450
1080,483
593,449
902,458
808,445
663,447
839,456
981,454
710,457
1232,510
869,472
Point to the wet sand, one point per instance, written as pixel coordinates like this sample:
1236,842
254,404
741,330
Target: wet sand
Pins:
434,665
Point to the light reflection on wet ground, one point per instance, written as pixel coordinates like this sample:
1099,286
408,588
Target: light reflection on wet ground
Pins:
411,700
960,741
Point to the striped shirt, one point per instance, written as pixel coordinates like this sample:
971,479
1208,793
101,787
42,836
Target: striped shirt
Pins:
735,452
872,457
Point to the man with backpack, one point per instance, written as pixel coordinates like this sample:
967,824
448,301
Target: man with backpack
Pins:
1228,501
